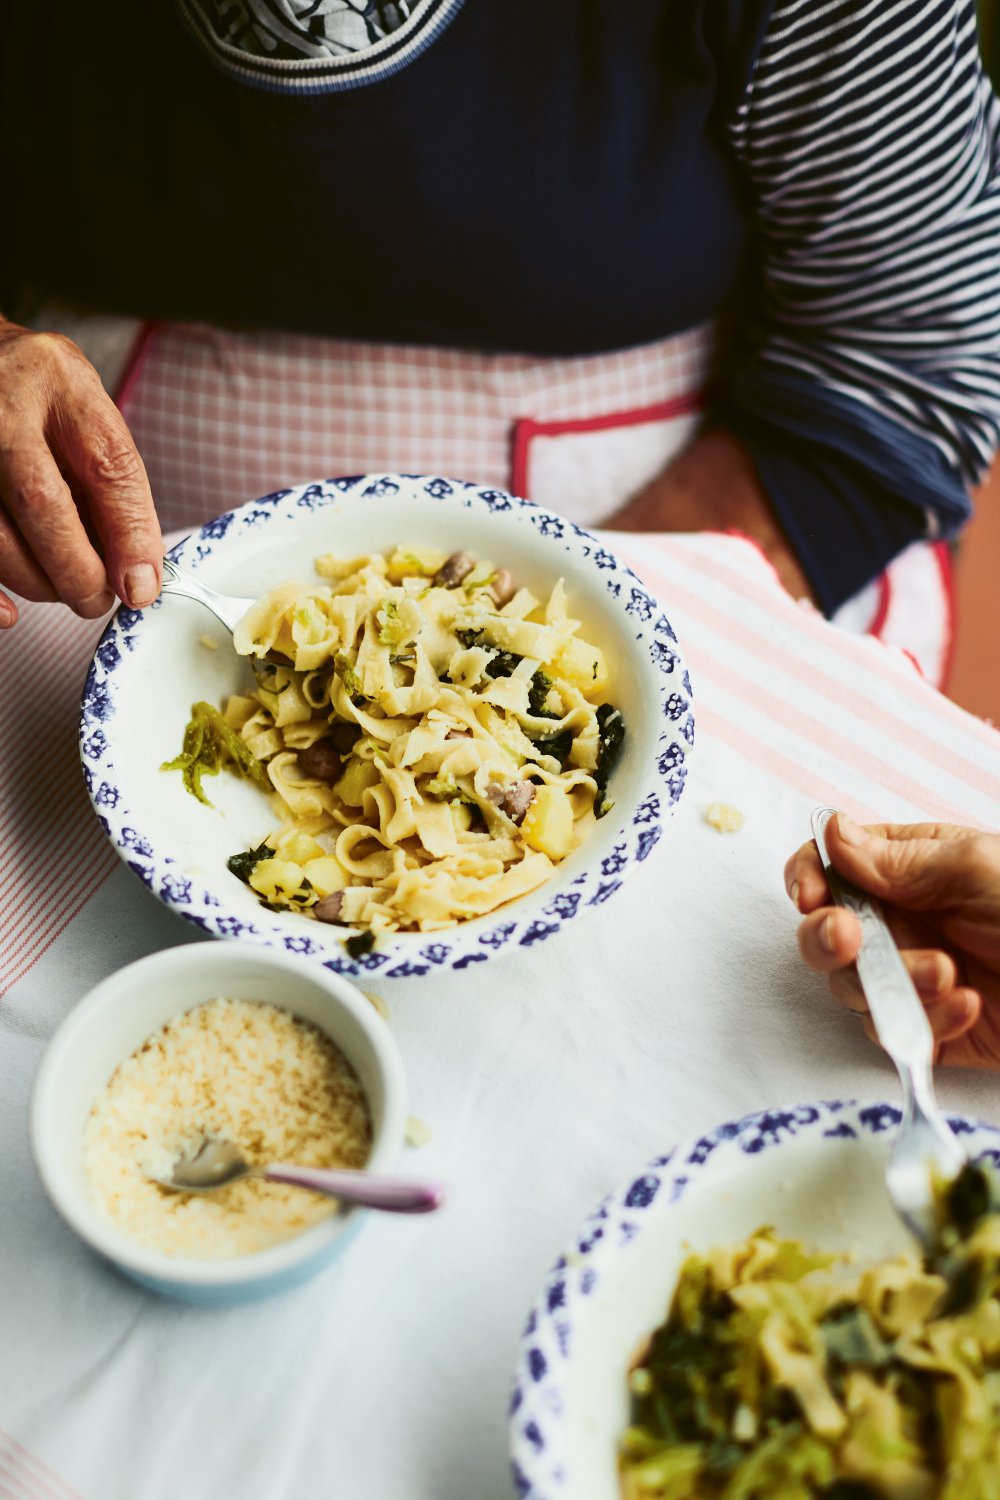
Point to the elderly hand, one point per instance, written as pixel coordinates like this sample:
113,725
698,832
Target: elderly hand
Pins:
76,516
940,886
713,486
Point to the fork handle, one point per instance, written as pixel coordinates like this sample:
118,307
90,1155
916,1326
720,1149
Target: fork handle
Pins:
225,607
896,1009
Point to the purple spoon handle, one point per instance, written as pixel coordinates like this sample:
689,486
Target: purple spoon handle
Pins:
397,1195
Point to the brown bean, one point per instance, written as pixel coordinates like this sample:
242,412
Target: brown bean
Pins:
320,760
343,736
513,799
503,588
458,566
328,908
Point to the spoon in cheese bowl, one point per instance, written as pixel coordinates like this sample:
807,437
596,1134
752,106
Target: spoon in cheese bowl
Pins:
212,1162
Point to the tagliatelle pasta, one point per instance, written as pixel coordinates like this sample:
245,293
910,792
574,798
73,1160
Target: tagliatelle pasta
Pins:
785,1374
437,743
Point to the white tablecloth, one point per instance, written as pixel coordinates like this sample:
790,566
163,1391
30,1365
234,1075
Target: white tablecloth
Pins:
546,1076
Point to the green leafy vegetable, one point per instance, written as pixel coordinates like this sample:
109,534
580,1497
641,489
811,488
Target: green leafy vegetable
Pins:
243,865
769,1381
557,745
441,788
344,668
611,733
392,631
477,580
851,1338
211,745
502,664
445,790
968,1199
415,567
541,683
360,944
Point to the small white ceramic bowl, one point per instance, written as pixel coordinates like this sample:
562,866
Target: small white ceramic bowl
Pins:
814,1171
117,1016
149,669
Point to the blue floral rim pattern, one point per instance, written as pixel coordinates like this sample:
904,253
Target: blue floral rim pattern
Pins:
539,1466
405,955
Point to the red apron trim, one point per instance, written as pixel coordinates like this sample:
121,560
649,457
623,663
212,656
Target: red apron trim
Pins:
133,365
526,428
942,555
882,607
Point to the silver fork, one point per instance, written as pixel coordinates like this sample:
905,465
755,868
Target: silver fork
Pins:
925,1148
228,608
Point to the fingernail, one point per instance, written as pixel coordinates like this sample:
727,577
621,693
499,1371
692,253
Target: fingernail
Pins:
928,974
96,604
793,891
140,585
7,615
828,934
851,832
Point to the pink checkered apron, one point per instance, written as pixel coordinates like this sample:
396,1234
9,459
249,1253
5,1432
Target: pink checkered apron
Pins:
222,417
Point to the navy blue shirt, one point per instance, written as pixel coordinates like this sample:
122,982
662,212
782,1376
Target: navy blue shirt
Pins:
551,179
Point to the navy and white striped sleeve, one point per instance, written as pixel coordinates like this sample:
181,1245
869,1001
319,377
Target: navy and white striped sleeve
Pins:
868,392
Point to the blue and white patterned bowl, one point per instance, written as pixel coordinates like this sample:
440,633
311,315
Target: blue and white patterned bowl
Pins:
815,1171
150,667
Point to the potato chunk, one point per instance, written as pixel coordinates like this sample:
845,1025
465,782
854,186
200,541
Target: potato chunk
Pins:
548,823
298,847
584,666
325,874
357,778
274,878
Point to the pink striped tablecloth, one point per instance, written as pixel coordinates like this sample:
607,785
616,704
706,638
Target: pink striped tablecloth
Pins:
563,1068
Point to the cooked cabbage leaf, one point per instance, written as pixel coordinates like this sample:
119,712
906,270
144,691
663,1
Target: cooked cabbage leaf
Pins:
784,1375
209,745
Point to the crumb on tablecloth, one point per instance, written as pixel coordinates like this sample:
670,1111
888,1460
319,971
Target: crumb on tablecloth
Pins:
724,817
418,1132
209,642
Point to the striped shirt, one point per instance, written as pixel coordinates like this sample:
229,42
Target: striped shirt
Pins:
560,179
870,138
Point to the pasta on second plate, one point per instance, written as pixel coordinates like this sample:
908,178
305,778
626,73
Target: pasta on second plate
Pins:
438,742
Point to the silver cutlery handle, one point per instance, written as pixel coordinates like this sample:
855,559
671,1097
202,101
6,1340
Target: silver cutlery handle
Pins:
226,608
896,1009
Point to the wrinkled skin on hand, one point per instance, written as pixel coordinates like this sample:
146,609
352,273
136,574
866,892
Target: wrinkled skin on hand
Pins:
713,486
940,887
77,521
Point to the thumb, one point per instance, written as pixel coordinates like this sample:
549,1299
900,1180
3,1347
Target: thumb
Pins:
928,867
